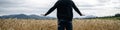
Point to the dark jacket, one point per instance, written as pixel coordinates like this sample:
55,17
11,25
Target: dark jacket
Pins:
64,9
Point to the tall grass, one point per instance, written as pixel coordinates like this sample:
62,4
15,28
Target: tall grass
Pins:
82,24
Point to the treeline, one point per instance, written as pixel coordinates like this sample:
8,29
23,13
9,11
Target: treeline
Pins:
116,16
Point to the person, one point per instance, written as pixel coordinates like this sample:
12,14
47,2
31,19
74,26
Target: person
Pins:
64,13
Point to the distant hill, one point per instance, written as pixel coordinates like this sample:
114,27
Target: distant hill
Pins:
23,16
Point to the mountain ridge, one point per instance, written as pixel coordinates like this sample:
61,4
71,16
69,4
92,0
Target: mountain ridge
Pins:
24,16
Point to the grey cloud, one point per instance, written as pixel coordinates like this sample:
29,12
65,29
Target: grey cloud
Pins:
86,5
103,1
16,6
10,3
116,2
117,7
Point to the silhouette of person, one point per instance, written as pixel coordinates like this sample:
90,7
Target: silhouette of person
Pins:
64,13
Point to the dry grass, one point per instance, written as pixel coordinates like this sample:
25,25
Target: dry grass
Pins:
83,24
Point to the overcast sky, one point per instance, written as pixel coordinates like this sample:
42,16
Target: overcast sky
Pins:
87,7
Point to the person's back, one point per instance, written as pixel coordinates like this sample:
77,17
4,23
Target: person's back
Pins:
64,9
64,13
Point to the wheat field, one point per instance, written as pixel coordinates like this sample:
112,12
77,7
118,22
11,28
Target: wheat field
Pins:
78,24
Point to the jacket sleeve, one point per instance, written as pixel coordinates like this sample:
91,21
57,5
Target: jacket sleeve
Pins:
76,9
52,9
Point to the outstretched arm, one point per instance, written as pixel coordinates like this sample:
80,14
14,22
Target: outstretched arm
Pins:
51,9
76,9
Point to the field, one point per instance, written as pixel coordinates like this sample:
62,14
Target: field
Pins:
78,24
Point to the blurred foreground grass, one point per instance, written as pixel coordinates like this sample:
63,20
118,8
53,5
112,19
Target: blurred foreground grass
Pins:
78,24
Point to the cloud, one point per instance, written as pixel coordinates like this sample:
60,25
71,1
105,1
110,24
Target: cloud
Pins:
21,6
86,5
103,1
117,7
89,7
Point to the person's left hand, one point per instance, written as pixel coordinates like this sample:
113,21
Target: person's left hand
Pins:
43,14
